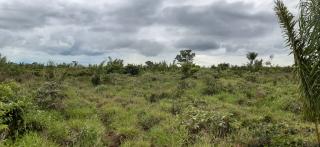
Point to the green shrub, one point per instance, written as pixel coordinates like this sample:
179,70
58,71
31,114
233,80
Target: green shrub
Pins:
147,120
50,96
223,66
113,78
86,132
196,120
12,110
251,78
268,132
185,84
50,122
114,66
155,97
258,64
188,70
132,69
213,86
95,80
108,114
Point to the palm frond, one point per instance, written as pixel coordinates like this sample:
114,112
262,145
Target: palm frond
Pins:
305,44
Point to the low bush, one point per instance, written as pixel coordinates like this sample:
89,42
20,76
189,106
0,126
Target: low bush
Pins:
268,132
132,69
50,96
251,78
188,70
147,120
155,97
96,80
197,120
213,86
113,78
223,66
12,110
85,132
114,66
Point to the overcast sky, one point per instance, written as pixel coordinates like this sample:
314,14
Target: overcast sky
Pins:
140,30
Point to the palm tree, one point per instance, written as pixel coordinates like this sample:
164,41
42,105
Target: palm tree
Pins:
302,36
251,57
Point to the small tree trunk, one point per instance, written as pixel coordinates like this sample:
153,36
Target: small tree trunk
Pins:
317,132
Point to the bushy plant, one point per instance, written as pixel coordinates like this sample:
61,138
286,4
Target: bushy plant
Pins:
258,64
85,132
132,69
96,80
185,60
113,78
188,70
213,86
13,107
147,120
223,66
50,96
185,56
251,78
157,96
149,64
196,120
114,66
265,133
252,57
158,66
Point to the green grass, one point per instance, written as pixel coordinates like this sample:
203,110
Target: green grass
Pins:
249,108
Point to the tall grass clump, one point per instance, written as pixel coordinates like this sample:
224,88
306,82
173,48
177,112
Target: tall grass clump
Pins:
302,36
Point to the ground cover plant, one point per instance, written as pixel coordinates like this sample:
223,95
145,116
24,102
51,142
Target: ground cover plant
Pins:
156,104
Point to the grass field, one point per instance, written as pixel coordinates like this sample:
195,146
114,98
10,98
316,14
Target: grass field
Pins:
59,106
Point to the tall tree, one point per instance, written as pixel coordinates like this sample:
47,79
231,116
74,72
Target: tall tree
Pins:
302,36
185,56
185,59
251,57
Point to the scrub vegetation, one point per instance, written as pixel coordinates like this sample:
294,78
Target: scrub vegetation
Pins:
169,104
156,104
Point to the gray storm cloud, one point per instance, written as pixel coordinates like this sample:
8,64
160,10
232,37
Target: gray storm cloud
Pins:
93,28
